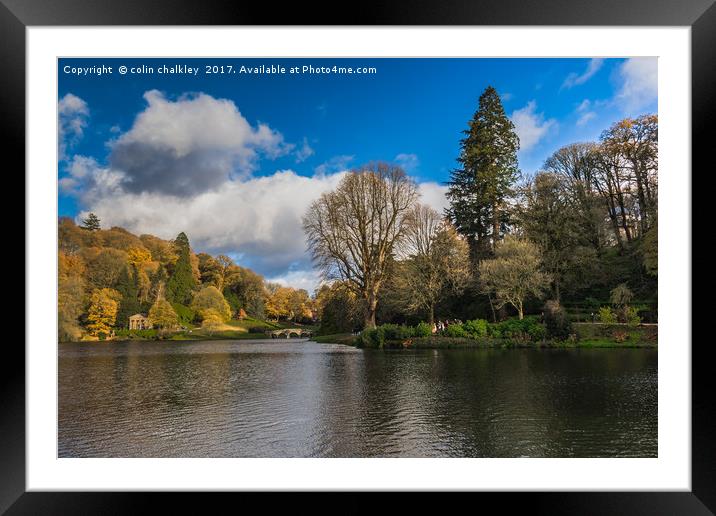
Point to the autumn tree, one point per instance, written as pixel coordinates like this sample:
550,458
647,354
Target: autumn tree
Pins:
480,186
437,261
70,296
162,316
209,299
354,230
102,312
514,273
635,140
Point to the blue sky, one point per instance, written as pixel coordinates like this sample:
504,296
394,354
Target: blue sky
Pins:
234,159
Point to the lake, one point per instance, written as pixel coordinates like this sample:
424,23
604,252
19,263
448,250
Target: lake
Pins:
297,398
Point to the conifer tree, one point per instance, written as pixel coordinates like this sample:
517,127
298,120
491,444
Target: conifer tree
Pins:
129,304
479,188
91,223
181,284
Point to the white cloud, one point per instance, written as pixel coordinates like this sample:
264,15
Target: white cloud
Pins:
259,217
506,96
304,152
433,194
73,115
639,83
530,126
309,279
408,162
575,79
190,145
584,110
335,164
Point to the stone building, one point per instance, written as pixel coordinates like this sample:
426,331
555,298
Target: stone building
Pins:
139,322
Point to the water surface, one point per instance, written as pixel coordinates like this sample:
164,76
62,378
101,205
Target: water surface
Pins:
297,398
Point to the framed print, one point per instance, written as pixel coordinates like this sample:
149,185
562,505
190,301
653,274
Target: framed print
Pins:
419,252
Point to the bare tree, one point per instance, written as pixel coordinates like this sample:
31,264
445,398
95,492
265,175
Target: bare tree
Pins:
353,231
437,260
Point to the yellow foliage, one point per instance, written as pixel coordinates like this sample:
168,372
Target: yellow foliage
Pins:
138,256
102,311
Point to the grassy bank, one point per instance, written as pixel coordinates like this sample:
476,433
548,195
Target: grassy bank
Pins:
247,328
339,338
587,335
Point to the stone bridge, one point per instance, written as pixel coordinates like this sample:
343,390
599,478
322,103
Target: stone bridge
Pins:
288,332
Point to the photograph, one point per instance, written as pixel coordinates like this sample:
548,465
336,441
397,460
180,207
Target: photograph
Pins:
346,257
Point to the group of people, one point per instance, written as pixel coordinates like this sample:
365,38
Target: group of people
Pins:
442,325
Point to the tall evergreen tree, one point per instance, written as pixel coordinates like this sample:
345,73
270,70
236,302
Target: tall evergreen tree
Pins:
181,283
478,189
129,304
91,223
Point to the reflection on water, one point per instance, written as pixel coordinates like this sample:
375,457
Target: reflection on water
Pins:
302,399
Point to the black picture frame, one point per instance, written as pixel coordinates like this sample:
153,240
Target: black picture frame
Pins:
700,15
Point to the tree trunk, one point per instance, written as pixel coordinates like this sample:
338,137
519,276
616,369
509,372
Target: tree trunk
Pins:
431,314
520,314
492,307
371,304
495,226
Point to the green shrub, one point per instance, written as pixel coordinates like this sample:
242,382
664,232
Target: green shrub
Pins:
476,328
456,330
395,331
557,324
186,315
631,316
526,329
371,338
423,329
606,316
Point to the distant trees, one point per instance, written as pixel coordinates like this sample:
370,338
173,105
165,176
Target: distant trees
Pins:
549,217
338,308
353,231
514,273
437,263
479,188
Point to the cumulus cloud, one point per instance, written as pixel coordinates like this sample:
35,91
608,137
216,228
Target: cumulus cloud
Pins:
530,126
72,117
190,145
308,279
575,79
639,82
259,218
433,194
